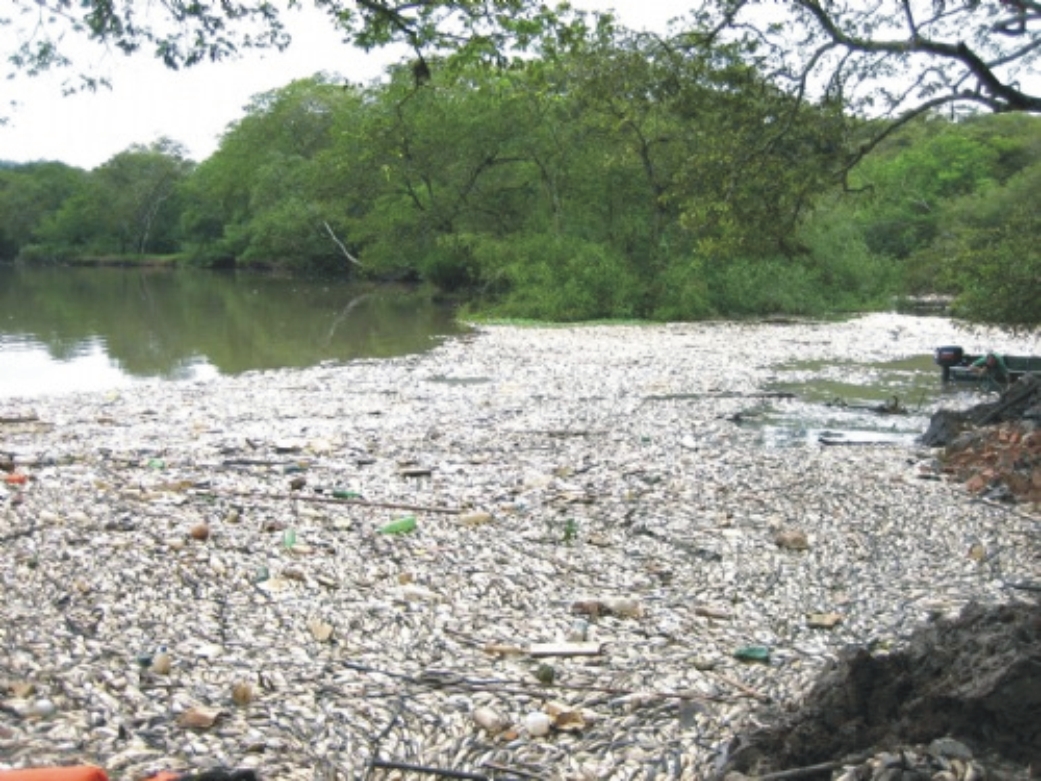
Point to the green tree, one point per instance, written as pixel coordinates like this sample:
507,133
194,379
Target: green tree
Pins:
269,191
29,194
992,252
902,209
129,205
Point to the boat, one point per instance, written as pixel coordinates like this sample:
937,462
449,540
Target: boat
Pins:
955,365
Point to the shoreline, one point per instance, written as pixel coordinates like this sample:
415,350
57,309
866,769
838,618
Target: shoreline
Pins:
588,464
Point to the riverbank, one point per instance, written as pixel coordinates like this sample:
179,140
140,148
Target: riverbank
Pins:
194,575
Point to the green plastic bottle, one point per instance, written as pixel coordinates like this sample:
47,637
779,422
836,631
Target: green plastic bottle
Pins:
400,526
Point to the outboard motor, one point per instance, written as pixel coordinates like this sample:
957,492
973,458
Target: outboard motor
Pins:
946,357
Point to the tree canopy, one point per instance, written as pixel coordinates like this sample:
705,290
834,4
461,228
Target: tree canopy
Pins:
605,173
895,57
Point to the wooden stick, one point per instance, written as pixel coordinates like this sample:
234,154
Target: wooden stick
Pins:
389,764
504,686
823,767
742,687
514,770
331,500
31,418
565,649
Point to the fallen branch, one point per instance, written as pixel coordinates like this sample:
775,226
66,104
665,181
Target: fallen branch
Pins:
742,687
32,418
383,733
388,764
514,770
799,772
832,441
718,395
443,678
1016,395
332,500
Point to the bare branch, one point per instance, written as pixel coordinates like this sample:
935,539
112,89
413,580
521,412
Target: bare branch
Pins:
340,244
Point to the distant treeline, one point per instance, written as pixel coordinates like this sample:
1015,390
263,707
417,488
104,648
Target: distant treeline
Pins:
621,180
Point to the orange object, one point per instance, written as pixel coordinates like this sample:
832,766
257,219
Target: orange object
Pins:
71,773
16,479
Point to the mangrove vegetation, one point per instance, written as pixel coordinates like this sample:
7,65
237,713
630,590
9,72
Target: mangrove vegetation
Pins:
615,175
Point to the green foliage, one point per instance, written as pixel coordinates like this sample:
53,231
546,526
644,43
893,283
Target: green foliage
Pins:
30,194
908,187
994,255
545,277
848,274
938,212
681,292
746,286
612,176
128,205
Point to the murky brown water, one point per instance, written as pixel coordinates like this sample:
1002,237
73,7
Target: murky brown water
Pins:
89,329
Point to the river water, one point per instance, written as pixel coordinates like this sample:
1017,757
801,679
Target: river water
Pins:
70,329
67,329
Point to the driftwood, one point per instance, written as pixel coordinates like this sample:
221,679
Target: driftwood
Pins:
388,764
719,395
419,508
1019,395
445,678
11,420
890,407
747,690
811,770
565,649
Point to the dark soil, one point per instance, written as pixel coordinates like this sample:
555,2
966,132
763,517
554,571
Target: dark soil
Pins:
976,678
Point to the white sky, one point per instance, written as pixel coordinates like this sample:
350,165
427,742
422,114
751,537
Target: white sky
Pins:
147,101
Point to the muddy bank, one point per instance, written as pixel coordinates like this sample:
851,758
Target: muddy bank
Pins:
962,698
976,679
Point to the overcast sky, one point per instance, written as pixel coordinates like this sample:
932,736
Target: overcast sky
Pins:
148,101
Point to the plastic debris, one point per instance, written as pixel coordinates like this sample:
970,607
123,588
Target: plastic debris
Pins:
753,653
537,724
400,526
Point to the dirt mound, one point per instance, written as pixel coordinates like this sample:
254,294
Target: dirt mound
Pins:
976,678
994,448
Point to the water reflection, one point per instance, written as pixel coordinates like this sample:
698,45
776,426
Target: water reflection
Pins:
85,329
